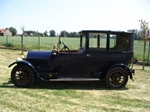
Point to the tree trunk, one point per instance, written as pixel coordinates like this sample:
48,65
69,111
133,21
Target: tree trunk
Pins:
144,55
148,52
21,44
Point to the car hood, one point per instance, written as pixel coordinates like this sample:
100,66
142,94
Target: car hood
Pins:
39,54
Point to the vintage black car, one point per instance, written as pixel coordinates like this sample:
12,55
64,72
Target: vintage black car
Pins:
102,55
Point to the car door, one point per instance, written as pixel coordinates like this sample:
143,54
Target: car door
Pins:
96,60
78,63
97,55
72,63
64,63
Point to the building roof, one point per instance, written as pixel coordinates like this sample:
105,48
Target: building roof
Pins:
3,30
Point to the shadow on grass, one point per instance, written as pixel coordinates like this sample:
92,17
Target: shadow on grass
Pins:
60,85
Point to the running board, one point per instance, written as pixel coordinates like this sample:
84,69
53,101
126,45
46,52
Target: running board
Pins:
74,79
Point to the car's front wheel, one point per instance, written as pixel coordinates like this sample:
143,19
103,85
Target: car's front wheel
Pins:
22,76
116,78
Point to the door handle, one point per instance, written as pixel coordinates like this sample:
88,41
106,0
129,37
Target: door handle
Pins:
88,55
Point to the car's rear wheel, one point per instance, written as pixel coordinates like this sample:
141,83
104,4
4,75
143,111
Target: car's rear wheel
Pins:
22,76
116,78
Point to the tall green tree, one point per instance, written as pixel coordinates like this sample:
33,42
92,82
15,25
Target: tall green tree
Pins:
45,33
144,36
64,33
74,34
13,31
52,33
34,33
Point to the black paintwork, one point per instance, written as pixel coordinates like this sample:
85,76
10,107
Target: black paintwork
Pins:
84,62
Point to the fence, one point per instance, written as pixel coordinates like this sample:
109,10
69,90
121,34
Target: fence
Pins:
36,43
47,43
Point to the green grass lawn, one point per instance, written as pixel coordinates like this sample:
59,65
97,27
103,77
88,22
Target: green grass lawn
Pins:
46,43
72,96
139,48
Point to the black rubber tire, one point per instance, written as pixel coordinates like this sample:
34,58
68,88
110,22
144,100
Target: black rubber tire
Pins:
22,76
116,78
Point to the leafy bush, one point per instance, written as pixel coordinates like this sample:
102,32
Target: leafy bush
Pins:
8,45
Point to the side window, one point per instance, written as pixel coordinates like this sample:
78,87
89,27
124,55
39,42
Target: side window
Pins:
93,41
119,42
113,38
103,40
97,41
82,41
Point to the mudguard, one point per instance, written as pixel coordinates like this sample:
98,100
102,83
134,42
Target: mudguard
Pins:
130,71
25,63
30,65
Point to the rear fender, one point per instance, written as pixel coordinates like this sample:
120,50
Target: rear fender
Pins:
129,70
24,62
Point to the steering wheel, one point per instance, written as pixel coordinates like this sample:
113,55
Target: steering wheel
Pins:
65,47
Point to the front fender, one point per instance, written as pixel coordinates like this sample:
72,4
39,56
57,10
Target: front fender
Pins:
130,71
24,62
21,62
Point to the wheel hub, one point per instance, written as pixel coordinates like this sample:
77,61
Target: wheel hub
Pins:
21,76
117,78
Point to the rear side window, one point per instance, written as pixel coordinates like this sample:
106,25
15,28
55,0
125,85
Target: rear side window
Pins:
113,38
119,42
97,41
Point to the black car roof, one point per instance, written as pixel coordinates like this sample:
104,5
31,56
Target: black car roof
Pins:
101,31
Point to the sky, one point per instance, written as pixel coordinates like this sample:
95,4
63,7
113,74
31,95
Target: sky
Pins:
73,15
